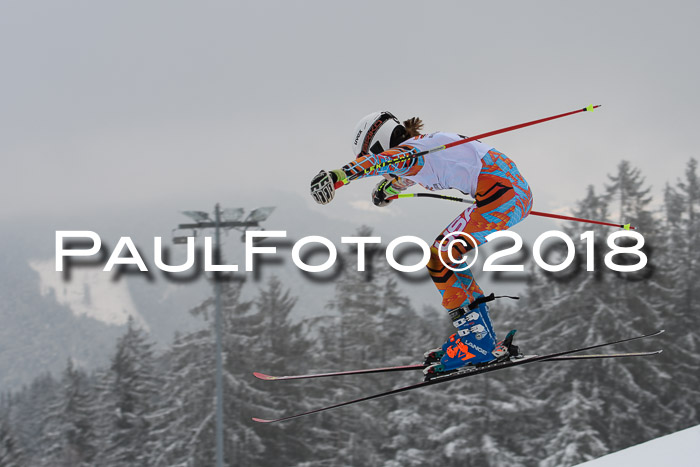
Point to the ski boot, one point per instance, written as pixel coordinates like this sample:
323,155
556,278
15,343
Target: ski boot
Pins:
460,317
473,344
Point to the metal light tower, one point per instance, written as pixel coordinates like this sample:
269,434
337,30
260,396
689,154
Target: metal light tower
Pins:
226,219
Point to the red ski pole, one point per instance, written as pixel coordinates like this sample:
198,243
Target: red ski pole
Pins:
578,219
534,213
405,156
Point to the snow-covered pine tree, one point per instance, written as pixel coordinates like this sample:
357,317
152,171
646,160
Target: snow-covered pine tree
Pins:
182,419
132,389
374,324
185,422
367,327
681,265
576,435
552,315
647,299
11,454
270,339
258,336
26,415
69,437
242,400
627,192
587,308
264,337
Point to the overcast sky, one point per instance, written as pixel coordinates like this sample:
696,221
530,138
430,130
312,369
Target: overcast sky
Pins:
112,105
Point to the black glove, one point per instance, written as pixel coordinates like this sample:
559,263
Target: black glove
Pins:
381,192
323,185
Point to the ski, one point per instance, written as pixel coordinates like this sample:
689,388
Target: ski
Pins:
472,371
365,371
604,355
419,366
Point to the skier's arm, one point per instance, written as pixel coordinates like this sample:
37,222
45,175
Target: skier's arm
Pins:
379,164
323,184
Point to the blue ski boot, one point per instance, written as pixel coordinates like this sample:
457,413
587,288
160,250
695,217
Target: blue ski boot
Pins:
473,344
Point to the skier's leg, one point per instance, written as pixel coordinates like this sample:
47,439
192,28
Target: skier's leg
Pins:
455,289
503,199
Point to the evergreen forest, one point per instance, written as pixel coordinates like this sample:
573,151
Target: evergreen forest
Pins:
148,408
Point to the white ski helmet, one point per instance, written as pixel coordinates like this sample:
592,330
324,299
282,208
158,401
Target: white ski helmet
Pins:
376,133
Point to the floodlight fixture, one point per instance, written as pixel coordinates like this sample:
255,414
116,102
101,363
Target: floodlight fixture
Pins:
260,214
232,214
197,216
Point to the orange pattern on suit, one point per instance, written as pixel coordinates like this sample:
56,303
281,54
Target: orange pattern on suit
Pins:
503,198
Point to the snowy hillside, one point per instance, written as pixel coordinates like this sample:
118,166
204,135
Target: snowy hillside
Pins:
679,449
89,293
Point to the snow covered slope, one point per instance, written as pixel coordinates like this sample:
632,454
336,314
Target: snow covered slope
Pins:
680,449
90,293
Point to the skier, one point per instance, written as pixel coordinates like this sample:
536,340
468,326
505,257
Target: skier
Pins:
503,198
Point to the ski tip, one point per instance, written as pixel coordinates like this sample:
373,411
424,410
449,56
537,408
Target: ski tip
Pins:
261,420
264,377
